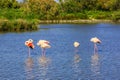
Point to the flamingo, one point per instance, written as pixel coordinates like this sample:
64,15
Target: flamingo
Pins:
76,45
95,40
44,44
30,45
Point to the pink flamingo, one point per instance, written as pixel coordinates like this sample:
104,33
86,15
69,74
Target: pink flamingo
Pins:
95,40
30,45
44,44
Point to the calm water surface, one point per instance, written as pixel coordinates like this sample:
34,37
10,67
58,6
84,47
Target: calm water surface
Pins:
61,61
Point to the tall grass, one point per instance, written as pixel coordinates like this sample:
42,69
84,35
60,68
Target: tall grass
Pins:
18,25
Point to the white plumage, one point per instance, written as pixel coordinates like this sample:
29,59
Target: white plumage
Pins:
76,44
43,44
95,40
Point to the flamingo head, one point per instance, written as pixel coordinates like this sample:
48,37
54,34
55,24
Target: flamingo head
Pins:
29,44
30,40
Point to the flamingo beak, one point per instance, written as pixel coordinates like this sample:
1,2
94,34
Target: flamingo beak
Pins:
99,42
31,45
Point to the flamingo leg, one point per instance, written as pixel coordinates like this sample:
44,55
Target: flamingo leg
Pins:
43,52
29,52
76,50
95,49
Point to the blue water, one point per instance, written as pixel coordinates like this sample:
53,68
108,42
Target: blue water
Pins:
61,61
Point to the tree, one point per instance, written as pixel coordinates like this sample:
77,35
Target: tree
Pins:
108,5
9,4
71,6
44,8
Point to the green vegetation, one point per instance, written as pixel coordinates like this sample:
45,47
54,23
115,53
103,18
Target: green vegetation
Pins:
17,25
27,14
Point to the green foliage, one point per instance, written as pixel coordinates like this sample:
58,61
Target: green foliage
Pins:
82,16
71,6
12,13
69,16
9,4
18,25
16,16
116,16
65,9
45,8
98,14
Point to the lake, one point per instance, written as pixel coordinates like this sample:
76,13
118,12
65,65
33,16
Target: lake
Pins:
62,62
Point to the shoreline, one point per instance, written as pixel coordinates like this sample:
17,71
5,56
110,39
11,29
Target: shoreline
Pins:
81,21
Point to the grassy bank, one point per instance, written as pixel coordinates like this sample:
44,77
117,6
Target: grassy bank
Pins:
19,20
18,25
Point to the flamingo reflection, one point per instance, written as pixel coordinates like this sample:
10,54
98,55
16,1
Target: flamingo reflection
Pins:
44,63
29,68
95,66
77,58
76,66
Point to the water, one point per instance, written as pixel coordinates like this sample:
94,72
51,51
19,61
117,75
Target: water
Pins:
61,61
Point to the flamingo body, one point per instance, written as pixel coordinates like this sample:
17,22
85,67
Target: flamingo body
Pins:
76,44
95,40
43,44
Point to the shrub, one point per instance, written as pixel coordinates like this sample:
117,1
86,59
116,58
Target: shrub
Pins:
116,16
18,25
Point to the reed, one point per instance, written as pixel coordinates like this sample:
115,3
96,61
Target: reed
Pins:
18,25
